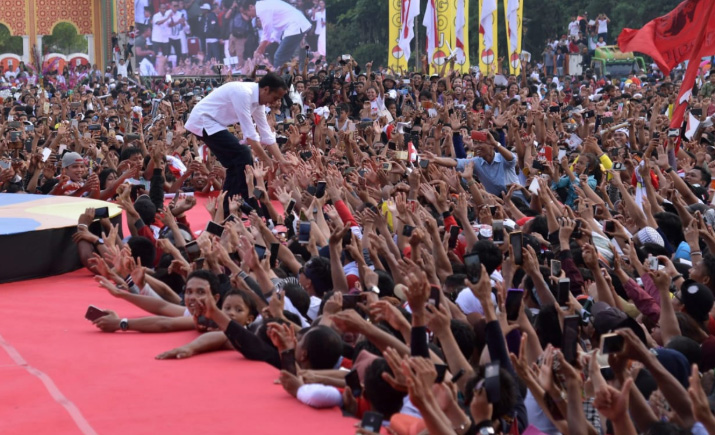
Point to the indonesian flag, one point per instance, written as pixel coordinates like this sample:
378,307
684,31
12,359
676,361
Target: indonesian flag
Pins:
672,39
512,16
486,22
430,22
410,11
693,124
176,166
411,152
459,33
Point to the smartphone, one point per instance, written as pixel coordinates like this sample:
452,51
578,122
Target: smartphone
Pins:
609,227
371,421
479,136
562,297
199,263
245,208
288,362
516,240
261,251
274,254
192,250
101,212
407,230
392,146
93,313
696,112
289,209
258,193
94,127
424,163
673,132
611,343
29,128
618,166
457,376
491,382
306,155
214,228
441,371
514,297
434,296
652,263
206,322
473,267
576,230
453,235
570,338
555,268
350,302
498,232
554,109
304,233
14,124
536,164
588,114
386,166
352,381
607,120
320,189
230,218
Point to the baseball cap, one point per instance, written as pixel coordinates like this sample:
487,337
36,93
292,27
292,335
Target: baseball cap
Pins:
697,299
70,159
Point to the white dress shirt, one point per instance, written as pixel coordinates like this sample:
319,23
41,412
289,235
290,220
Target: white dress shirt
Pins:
231,103
160,32
280,18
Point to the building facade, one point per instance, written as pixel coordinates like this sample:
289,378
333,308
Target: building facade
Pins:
94,19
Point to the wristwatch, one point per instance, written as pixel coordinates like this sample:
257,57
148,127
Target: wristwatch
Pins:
375,289
124,324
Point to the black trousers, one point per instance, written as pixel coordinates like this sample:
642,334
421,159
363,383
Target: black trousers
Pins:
234,157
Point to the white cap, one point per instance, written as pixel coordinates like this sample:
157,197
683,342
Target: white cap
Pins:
206,7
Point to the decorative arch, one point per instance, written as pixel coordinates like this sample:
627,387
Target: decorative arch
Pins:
9,44
58,22
49,12
14,14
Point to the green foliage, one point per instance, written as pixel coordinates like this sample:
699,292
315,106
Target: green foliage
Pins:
65,40
360,27
9,43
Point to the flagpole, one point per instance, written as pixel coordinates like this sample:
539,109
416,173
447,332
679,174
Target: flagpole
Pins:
417,45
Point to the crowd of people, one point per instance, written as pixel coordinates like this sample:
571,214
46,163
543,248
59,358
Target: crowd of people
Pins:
190,37
428,252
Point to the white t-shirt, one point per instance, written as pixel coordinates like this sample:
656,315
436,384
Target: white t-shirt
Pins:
177,30
602,26
573,28
319,18
280,18
160,32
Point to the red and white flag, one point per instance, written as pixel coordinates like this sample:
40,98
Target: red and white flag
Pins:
486,23
459,30
430,23
410,11
673,38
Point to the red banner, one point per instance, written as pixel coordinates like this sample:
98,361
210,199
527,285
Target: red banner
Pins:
670,39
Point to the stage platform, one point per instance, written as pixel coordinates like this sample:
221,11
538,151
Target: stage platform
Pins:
36,234
60,375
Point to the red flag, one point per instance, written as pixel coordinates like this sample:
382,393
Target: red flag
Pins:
670,39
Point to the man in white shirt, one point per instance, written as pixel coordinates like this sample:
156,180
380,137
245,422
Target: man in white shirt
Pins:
122,68
574,27
139,7
178,24
160,29
244,103
281,23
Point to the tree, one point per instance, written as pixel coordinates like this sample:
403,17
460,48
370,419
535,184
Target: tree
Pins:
9,43
65,40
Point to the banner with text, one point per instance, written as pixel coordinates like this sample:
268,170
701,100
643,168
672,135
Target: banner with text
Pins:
396,57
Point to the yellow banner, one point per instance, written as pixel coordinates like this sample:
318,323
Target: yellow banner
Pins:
514,18
451,27
488,40
395,56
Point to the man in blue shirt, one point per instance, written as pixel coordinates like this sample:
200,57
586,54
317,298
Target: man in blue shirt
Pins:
494,165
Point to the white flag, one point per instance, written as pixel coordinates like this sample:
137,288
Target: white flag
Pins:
410,11
430,23
459,33
486,22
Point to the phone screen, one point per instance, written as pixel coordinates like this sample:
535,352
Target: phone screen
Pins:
473,266
304,233
491,382
513,303
564,290
101,213
291,205
214,228
498,232
260,251
350,301
555,268
371,421
441,371
192,250
320,190
516,241
453,235
611,343
434,296
274,254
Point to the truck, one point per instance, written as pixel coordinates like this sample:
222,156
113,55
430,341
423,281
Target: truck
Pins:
610,60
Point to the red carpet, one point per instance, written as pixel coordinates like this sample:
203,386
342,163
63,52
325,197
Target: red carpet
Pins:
60,375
